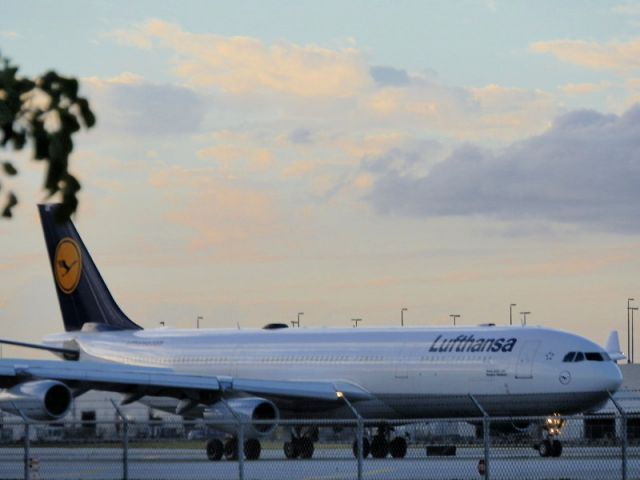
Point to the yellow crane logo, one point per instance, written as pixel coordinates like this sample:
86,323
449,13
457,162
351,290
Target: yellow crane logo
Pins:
67,265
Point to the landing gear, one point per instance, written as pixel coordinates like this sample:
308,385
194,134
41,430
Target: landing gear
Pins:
290,450
299,447
550,446
216,449
556,448
366,447
398,447
380,445
252,449
231,449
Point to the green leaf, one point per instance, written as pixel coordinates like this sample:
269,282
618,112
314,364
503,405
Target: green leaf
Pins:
9,169
11,202
6,115
70,87
69,122
55,173
40,141
21,125
19,140
87,115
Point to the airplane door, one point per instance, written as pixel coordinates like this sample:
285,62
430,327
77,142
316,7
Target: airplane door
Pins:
402,364
524,367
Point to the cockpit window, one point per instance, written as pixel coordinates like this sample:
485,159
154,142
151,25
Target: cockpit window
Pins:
589,356
594,356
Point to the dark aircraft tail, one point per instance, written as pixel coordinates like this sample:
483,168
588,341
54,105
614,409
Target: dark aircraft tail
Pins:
84,297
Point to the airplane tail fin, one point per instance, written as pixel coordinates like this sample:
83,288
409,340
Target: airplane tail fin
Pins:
613,347
83,296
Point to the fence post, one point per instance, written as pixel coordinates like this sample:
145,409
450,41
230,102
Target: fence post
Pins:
26,442
486,426
359,432
125,441
623,434
240,449
27,449
240,439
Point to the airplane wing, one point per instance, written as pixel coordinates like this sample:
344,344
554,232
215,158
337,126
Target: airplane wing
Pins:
140,381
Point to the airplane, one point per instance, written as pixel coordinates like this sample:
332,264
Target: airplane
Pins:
262,376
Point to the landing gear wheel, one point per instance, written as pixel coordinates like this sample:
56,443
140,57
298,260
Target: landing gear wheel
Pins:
379,447
252,449
544,449
215,449
231,449
398,447
290,450
305,447
556,448
366,448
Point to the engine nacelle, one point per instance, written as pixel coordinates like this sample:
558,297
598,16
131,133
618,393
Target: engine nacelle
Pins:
259,416
38,399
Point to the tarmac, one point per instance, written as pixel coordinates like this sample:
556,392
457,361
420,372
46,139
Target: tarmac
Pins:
327,464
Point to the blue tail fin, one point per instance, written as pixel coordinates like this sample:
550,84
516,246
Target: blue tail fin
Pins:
84,297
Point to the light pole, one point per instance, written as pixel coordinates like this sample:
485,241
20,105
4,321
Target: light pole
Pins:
402,316
629,300
198,321
356,321
524,317
454,316
296,323
511,313
162,324
633,350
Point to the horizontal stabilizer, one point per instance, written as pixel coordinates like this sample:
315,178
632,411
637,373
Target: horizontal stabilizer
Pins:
68,353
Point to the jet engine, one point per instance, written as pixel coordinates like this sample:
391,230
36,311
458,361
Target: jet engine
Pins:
259,416
38,400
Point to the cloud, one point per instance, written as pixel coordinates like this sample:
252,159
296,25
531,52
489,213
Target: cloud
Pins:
581,88
585,263
609,56
241,65
232,154
127,103
328,91
627,9
300,136
582,171
389,76
490,111
217,210
299,168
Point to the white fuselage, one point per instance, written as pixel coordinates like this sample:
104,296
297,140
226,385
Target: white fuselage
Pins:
410,372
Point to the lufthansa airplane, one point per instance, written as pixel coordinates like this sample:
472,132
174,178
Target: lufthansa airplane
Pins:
264,375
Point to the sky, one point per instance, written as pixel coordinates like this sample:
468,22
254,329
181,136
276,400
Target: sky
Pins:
256,159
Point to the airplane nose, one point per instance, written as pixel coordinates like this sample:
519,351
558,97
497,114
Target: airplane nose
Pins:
612,378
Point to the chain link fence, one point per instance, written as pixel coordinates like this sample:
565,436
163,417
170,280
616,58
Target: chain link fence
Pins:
602,446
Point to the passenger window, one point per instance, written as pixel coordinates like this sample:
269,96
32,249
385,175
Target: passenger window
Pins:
579,357
569,357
